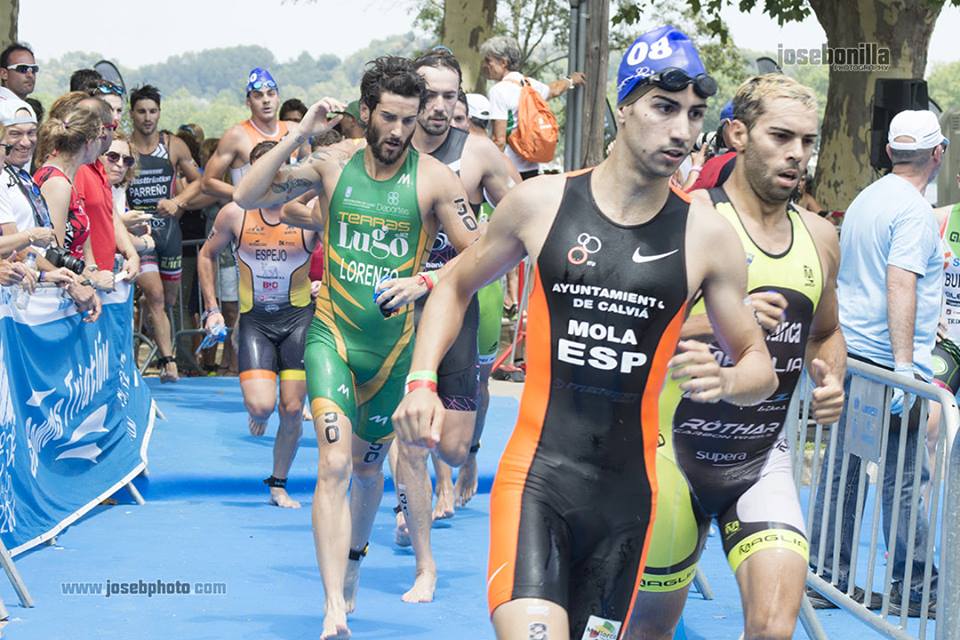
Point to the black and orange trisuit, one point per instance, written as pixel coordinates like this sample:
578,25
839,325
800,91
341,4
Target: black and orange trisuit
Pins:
574,496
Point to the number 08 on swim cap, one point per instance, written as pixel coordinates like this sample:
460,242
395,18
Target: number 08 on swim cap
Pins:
665,58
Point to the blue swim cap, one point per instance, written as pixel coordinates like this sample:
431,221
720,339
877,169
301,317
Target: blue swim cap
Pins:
727,112
653,52
260,79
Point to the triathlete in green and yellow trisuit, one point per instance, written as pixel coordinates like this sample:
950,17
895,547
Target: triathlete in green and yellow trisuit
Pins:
379,209
356,359
491,311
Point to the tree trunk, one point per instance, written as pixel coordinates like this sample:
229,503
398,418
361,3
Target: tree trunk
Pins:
843,168
595,97
9,12
466,25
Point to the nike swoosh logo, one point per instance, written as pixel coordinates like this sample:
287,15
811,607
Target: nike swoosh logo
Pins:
494,574
640,259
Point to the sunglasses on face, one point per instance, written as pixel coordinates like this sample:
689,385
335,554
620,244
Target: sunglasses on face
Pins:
24,68
115,158
107,87
259,85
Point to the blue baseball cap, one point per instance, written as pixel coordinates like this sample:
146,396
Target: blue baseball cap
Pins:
654,51
727,112
260,79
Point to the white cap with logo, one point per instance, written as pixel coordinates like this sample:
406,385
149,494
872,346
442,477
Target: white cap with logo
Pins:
478,106
922,126
16,111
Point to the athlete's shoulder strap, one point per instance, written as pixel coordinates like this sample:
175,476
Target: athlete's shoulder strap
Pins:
680,193
250,130
243,227
578,172
718,195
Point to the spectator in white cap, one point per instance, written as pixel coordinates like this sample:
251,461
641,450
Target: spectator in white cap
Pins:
24,219
889,288
478,111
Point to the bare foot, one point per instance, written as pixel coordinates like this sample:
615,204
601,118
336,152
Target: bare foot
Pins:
335,626
423,587
351,583
466,485
401,535
444,506
280,497
257,428
169,373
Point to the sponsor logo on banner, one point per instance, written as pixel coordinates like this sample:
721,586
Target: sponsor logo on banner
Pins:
601,629
78,422
80,384
8,445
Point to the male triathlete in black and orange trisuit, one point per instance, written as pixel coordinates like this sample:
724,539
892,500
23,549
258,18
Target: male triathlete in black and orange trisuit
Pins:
619,255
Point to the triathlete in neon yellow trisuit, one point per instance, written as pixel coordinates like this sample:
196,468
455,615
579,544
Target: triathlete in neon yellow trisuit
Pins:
275,312
379,210
728,462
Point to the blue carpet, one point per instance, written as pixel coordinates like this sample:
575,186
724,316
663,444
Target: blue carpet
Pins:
207,521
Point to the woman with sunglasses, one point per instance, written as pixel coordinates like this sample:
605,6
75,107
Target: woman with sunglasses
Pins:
120,164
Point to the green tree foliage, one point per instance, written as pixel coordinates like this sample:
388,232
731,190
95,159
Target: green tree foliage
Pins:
541,27
207,87
944,85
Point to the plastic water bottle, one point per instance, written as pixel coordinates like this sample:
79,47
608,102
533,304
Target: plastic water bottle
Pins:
217,334
22,296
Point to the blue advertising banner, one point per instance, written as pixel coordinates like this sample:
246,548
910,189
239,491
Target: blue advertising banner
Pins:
75,415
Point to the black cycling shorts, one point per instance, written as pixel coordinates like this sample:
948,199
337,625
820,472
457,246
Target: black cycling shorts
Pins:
273,342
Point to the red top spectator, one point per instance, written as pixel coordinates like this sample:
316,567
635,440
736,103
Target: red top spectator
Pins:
93,186
715,171
78,223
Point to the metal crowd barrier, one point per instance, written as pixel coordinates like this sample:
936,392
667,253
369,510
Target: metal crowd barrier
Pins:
507,360
838,457
177,316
